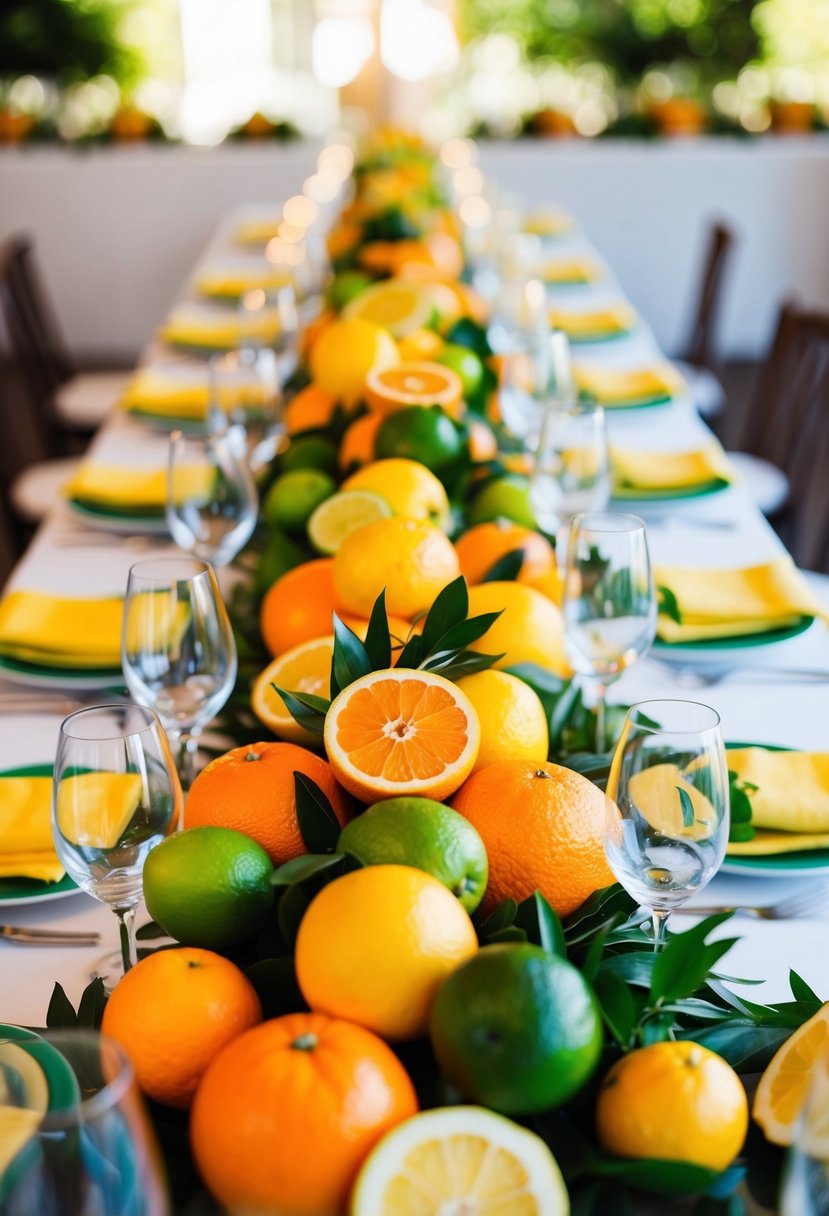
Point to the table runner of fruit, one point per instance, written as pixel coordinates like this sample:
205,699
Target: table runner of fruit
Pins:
405,983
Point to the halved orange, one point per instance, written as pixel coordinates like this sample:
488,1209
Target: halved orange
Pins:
304,668
784,1086
393,388
403,732
399,307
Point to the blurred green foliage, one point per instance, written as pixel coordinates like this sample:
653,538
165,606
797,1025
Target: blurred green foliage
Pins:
66,40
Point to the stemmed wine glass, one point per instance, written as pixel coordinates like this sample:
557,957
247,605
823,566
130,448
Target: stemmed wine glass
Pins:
115,796
212,515
571,473
92,1152
178,652
669,780
246,398
609,601
804,1186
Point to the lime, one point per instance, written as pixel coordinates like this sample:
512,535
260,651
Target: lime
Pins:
293,497
466,364
310,452
209,887
346,286
423,834
517,1029
280,555
426,435
504,498
341,514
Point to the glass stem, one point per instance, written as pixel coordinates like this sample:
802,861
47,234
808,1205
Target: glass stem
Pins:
659,917
601,695
188,757
126,927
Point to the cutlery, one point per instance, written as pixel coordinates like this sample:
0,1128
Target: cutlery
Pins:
706,675
799,905
47,937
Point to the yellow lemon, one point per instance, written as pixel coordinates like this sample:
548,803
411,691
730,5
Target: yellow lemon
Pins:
408,558
529,629
409,488
345,353
512,718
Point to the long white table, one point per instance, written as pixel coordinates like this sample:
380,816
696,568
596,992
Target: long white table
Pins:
756,705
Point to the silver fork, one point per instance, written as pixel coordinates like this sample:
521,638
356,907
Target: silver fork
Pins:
799,905
48,937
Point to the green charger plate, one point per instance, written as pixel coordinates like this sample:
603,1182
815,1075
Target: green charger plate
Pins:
44,675
137,520
744,642
633,403
602,336
32,890
628,493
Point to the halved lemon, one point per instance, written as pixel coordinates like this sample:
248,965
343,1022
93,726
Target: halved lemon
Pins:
460,1159
393,388
399,307
341,514
399,732
785,1085
303,668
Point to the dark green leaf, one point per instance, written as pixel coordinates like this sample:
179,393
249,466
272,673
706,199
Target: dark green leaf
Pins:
739,833
728,1205
500,918
318,825
305,708
687,806
686,960
350,660
412,653
747,1047
668,1177
669,605
91,1008
658,1028
510,934
800,989
635,968
463,634
589,965
596,909
541,924
448,610
506,569
378,640
290,910
276,986
298,869
619,1009
541,680
150,931
569,700
463,663
60,1015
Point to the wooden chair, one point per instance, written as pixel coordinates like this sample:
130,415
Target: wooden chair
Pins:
699,359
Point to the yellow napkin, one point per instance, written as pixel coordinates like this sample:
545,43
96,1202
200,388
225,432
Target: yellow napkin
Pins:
94,809
113,486
223,333
654,471
26,846
225,282
153,392
729,603
570,270
610,387
601,323
792,792
548,223
40,628
257,232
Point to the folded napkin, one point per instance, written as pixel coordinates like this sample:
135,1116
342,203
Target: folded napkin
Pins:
570,270
614,387
136,489
26,846
224,282
792,792
80,633
548,223
152,391
223,332
94,809
258,232
595,325
652,472
730,603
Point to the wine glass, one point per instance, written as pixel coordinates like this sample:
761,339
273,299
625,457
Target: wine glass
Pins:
609,601
178,652
284,302
571,473
669,780
212,501
804,1186
115,796
246,397
92,1152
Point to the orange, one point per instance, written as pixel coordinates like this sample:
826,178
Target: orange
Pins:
288,1112
529,629
173,1012
376,944
673,1102
342,238
299,606
309,409
408,558
784,1086
357,447
485,544
394,388
420,344
399,732
313,330
543,828
483,445
251,789
345,353
304,668
550,583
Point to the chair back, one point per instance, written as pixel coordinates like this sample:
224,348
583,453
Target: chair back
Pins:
36,327
700,349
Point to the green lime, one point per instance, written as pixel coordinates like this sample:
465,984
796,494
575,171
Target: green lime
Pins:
467,365
346,286
292,498
504,498
423,834
517,1029
280,555
426,435
342,514
310,452
209,887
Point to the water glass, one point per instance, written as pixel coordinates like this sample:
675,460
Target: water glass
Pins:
609,602
212,501
669,780
804,1189
178,652
572,473
115,796
246,398
90,1149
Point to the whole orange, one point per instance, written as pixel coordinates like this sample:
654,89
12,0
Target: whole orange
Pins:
173,1012
543,828
286,1115
299,606
310,409
375,945
357,447
251,789
485,544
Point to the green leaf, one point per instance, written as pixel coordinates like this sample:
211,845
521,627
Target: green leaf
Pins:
150,931
668,605
540,680
634,968
305,708
740,805
687,806
510,934
461,663
463,634
291,908
687,959
91,1008
298,869
506,569
541,924
378,640
412,653
662,1177
449,609
500,918
350,660
60,1015
595,910
318,825
739,833
800,989
619,1010
747,1047
570,700
276,986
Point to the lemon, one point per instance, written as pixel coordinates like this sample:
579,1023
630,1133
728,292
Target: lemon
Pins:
341,514
303,668
398,306
408,487
293,497
420,344
409,559
344,354
529,629
512,718
784,1086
